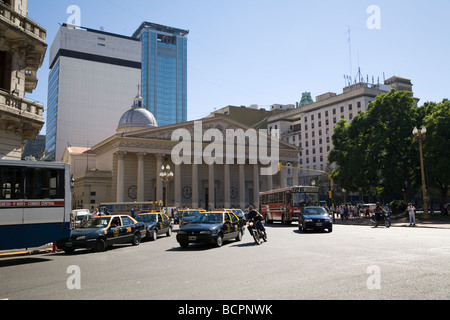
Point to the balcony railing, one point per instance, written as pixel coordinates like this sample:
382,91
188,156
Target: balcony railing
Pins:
28,26
21,107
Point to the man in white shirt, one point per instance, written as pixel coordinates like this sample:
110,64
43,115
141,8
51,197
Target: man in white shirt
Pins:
412,217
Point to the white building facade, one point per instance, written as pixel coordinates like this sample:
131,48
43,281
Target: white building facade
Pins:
311,127
92,75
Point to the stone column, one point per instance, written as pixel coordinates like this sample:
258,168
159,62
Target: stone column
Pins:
227,186
242,186
211,185
159,187
140,176
194,186
120,194
177,191
256,185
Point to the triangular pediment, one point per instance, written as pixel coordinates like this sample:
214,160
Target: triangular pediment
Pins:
221,123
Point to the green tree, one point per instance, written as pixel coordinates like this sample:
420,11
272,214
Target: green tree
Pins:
436,147
377,148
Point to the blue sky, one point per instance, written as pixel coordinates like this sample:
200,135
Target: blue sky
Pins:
271,51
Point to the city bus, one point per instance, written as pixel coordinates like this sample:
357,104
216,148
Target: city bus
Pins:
284,204
35,203
130,208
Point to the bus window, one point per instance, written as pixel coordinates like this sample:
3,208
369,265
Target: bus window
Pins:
10,183
44,184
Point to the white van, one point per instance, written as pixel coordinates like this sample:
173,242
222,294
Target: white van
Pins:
79,216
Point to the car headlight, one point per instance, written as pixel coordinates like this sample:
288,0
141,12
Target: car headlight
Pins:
81,238
205,232
308,220
182,232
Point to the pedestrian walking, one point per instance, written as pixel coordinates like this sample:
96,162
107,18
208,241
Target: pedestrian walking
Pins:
412,215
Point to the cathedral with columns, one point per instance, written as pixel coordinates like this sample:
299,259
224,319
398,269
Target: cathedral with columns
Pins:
126,167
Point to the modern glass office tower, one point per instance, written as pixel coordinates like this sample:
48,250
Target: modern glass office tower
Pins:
164,71
93,75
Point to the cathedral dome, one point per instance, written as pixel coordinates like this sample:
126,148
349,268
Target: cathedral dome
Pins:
137,117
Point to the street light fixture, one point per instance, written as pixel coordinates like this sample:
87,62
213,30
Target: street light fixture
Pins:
166,176
420,135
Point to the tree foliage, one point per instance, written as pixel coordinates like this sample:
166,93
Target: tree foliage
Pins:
437,146
376,151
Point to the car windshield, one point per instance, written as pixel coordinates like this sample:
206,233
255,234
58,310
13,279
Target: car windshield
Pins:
319,211
209,218
146,217
96,222
190,213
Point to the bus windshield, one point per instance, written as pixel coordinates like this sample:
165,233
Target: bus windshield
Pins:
302,199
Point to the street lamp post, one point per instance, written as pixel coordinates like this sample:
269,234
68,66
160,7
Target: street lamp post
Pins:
166,176
419,135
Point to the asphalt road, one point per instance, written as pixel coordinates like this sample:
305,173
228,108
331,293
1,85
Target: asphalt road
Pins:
352,262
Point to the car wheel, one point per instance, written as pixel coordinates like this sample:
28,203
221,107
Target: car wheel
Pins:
169,232
136,239
184,245
219,240
330,229
154,235
100,245
69,251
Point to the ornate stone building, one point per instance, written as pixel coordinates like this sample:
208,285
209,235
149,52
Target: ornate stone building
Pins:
135,154
22,50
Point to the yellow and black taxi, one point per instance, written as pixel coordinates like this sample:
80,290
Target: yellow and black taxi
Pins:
156,223
186,216
100,232
211,227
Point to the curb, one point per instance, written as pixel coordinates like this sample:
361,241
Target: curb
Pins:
24,253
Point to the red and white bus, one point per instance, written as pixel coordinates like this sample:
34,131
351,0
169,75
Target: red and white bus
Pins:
285,204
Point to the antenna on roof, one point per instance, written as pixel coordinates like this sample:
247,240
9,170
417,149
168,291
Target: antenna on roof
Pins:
350,49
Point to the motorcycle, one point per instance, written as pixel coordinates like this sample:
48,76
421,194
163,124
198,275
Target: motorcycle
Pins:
258,235
383,218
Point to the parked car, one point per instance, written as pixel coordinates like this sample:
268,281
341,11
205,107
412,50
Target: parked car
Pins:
156,223
211,227
314,218
187,215
100,232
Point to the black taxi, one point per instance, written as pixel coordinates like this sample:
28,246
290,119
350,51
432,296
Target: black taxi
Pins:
100,232
156,223
211,227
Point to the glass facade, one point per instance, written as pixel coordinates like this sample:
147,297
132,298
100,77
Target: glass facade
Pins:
52,112
164,72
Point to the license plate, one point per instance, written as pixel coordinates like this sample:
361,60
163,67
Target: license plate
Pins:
319,224
192,238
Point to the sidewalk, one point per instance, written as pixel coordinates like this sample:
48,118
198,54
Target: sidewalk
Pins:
48,248
404,222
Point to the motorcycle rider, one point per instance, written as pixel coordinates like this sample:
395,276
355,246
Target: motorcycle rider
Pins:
378,211
257,218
